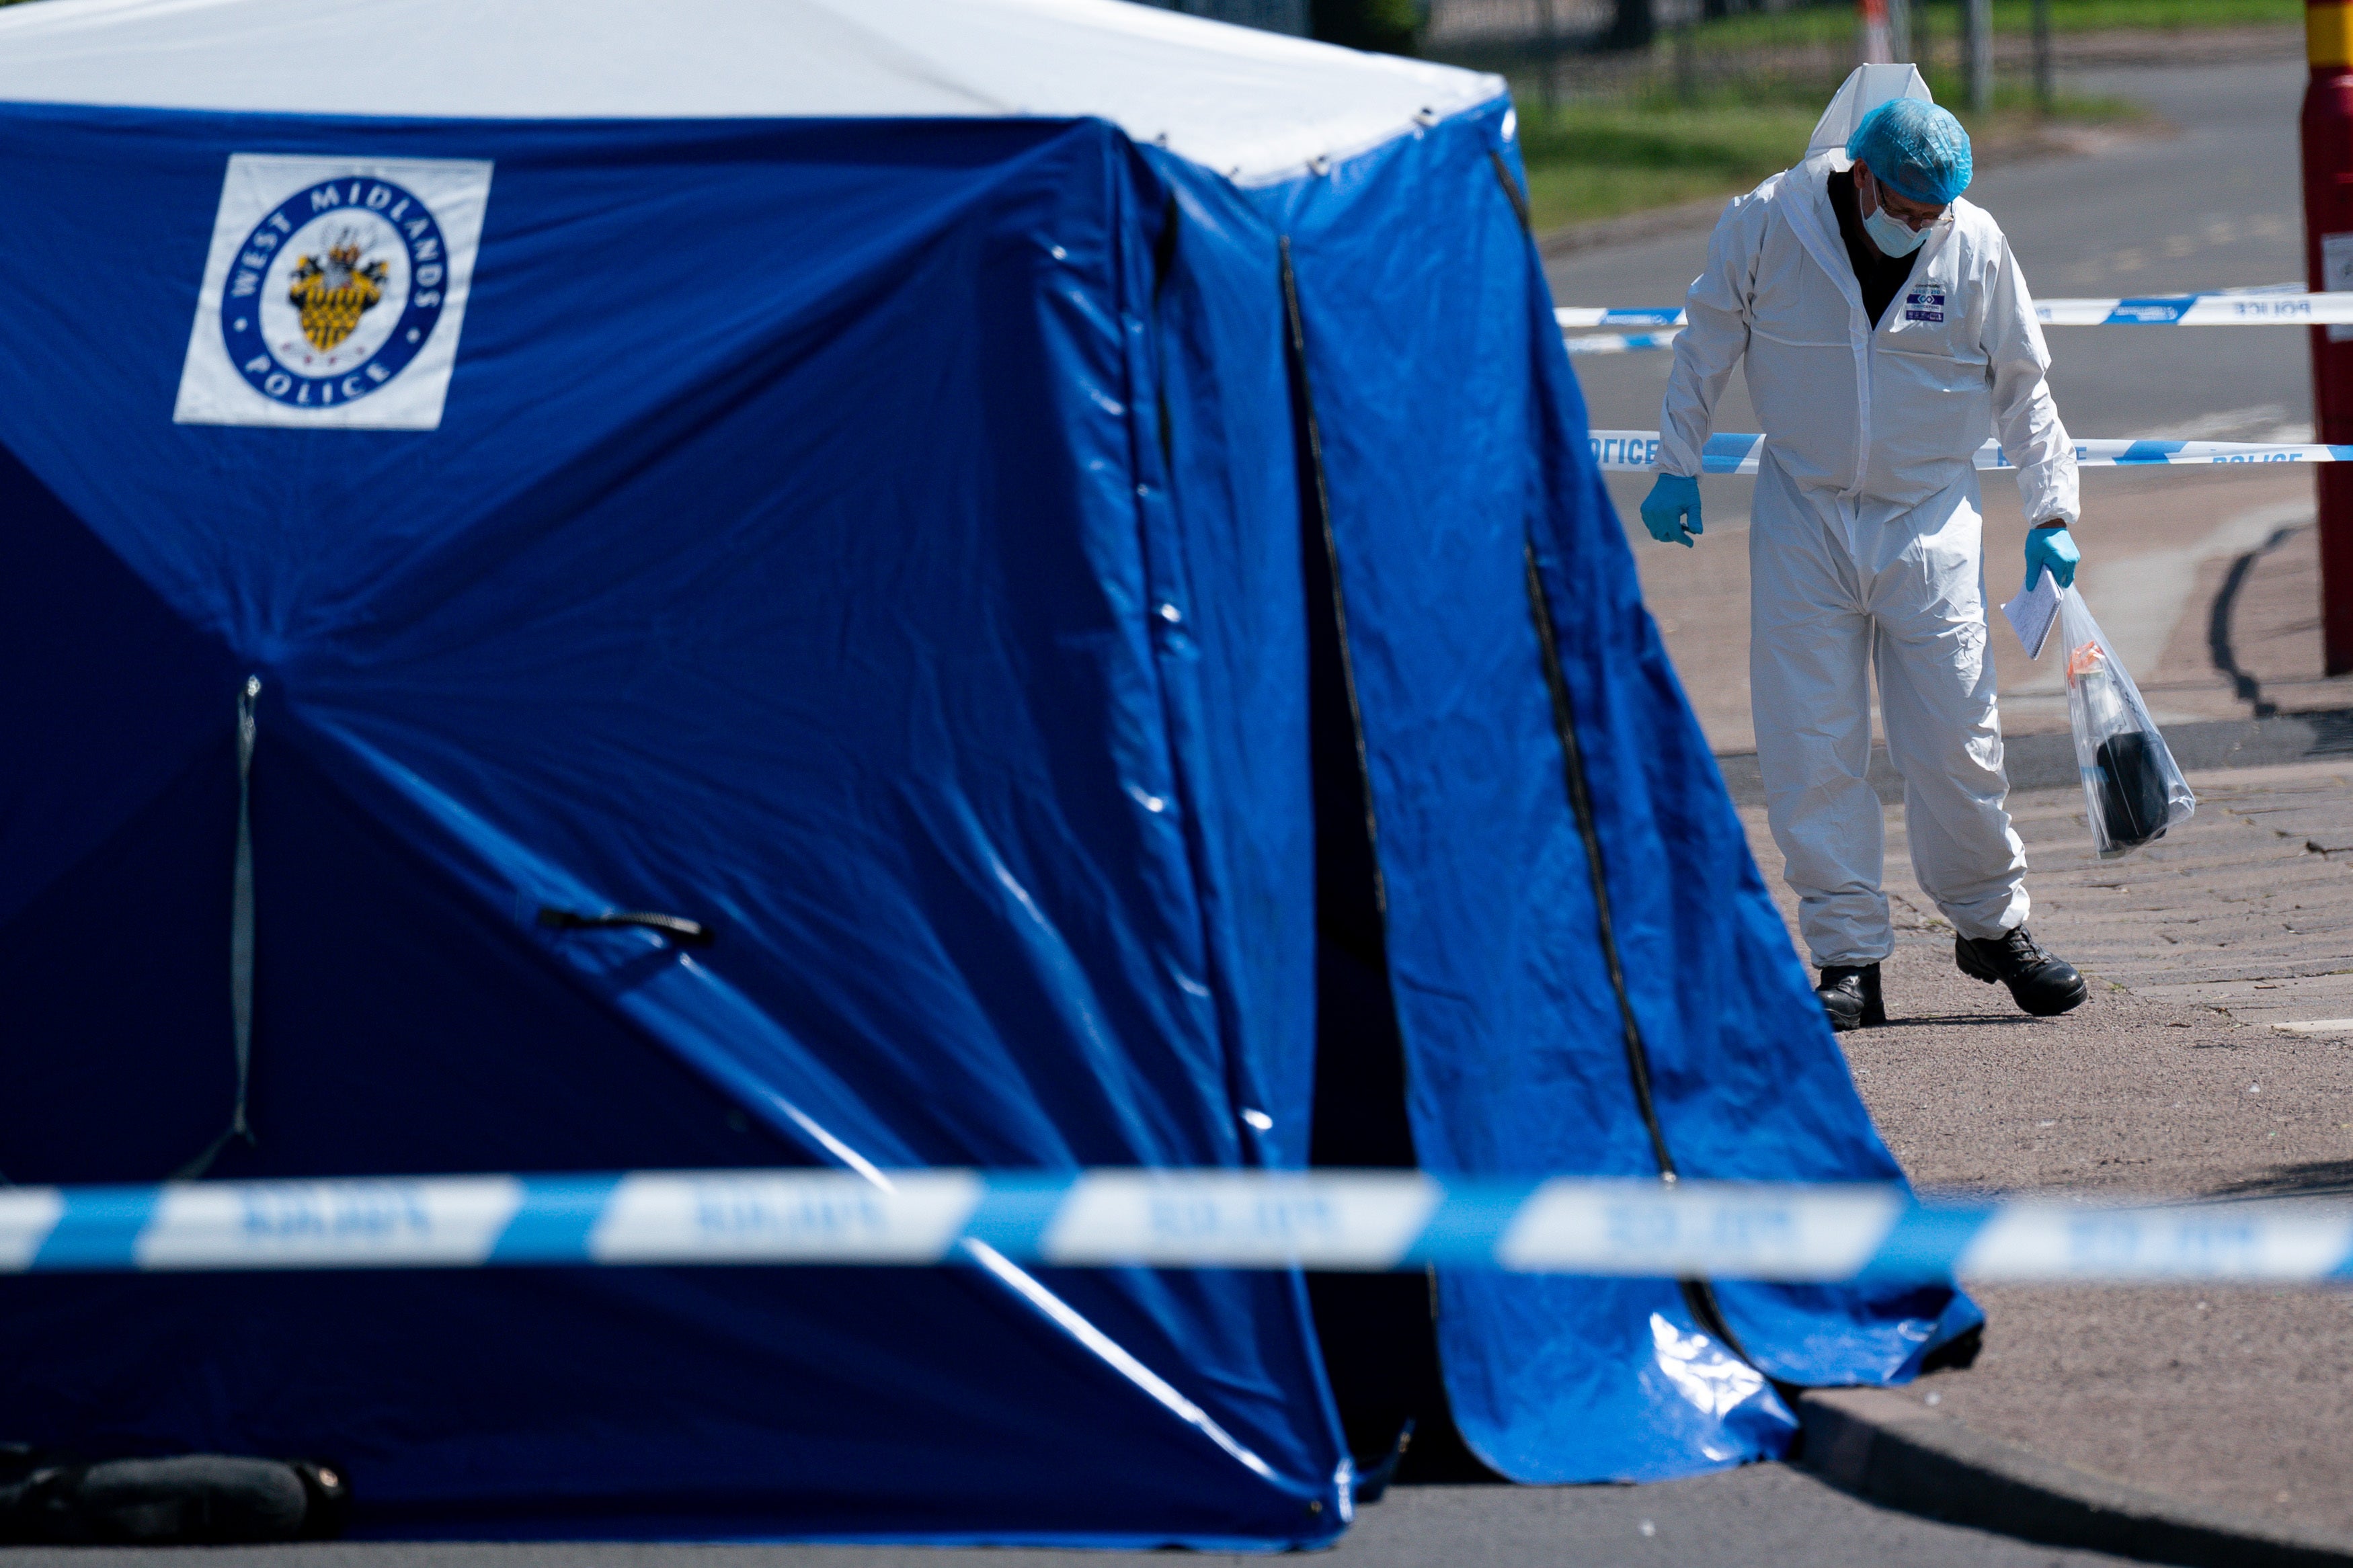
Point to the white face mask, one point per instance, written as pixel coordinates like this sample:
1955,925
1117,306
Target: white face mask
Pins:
1893,234
1890,234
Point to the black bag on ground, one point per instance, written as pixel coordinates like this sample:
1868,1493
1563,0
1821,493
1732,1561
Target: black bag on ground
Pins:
192,1499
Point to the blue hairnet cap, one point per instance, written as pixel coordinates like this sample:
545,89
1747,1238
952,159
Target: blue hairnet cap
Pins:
1918,149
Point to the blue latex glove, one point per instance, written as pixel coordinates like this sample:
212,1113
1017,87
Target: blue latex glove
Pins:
1670,501
2047,550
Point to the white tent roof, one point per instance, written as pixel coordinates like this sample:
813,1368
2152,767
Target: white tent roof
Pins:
1255,105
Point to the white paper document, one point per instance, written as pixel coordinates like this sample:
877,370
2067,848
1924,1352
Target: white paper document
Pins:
2033,612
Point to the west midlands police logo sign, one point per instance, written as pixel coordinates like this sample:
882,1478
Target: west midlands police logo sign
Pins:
334,293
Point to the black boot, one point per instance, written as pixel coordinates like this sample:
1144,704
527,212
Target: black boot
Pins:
1849,993
2043,985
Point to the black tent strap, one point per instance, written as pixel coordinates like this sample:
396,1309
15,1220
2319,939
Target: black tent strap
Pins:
677,928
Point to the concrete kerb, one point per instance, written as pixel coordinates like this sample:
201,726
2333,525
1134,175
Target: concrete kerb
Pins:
1885,1447
2048,760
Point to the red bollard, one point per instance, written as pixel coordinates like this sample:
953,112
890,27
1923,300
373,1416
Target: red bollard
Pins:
2329,260
1870,18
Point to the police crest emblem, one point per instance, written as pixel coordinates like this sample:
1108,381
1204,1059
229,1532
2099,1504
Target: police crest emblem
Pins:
334,293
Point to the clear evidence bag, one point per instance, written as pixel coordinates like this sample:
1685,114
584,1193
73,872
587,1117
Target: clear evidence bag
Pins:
2132,789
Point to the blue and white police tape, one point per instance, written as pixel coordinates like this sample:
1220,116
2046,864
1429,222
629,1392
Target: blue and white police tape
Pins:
1344,1220
1620,316
2238,307
1636,452
1622,342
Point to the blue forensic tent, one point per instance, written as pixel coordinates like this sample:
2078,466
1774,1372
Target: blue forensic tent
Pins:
1063,532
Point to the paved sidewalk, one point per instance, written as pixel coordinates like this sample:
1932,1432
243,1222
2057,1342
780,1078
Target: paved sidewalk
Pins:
2174,1080
2252,916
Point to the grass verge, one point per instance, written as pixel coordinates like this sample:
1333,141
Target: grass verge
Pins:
1598,160
1835,23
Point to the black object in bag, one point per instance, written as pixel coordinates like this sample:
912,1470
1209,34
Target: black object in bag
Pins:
191,1500
2133,791
2132,795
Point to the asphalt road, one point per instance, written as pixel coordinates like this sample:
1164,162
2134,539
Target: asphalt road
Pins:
1766,1514
2215,204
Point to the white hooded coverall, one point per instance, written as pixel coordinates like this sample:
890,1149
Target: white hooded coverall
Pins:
1864,540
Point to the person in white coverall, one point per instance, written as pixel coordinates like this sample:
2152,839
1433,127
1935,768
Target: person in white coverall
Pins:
1887,331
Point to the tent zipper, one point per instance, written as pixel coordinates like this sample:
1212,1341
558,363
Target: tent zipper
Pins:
1580,800
1698,1295
1295,347
1312,437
